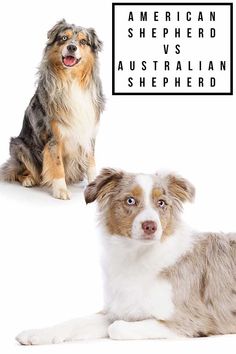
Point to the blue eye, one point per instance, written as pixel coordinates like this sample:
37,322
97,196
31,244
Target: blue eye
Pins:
64,38
131,201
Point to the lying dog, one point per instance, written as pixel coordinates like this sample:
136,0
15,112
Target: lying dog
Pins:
56,143
162,280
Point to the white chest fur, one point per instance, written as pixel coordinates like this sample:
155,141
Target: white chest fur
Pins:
133,289
133,286
80,127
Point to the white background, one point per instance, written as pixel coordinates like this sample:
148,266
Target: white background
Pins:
49,259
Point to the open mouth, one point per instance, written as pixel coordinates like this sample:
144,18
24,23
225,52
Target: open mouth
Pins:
70,61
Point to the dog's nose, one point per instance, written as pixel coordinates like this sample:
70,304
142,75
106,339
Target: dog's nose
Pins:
71,48
149,227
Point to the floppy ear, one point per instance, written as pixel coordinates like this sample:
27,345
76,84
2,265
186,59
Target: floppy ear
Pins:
103,185
52,33
180,188
95,43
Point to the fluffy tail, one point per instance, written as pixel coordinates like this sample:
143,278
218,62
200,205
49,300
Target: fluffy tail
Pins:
9,170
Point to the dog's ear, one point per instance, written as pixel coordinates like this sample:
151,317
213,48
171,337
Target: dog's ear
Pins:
180,188
103,185
95,43
52,33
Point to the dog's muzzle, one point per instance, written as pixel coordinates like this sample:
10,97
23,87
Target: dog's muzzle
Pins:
70,57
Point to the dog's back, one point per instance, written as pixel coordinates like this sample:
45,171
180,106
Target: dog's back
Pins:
204,287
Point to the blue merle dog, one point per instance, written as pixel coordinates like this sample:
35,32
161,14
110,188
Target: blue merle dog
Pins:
56,143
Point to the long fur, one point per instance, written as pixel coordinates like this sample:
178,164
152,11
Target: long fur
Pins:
52,101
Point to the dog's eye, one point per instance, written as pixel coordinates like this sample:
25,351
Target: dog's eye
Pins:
130,201
82,42
64,38
161,203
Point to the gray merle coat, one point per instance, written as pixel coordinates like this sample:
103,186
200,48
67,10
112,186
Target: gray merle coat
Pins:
56,143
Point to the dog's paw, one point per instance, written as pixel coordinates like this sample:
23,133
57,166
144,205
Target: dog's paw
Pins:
118,330
61,194
39,336
28,181
59,189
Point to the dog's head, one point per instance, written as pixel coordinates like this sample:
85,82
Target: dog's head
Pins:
70,45
139,206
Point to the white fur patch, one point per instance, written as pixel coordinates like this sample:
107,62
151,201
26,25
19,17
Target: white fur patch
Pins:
94,326
146,183
91,173
76,54
147,329
134,289
82,128
59,189
148,213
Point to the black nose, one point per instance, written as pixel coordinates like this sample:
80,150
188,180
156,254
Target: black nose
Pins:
71,48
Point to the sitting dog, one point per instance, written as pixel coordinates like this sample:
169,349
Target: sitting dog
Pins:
56,143
162,279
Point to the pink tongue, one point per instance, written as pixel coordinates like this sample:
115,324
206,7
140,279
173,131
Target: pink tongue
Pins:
69,61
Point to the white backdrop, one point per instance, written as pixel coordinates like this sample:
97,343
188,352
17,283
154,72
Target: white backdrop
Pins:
49,259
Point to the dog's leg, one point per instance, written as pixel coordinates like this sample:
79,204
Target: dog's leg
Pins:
53,170
27,180
21,166
53,173
146,329
92,327
91,170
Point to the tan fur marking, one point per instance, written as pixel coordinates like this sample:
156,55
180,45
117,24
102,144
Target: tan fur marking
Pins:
136,192
120,226
31,169
54,56
68,33
83,72
27,181
81,36
120,216
181,189
22,176
100,187
157,193
169,229
53,167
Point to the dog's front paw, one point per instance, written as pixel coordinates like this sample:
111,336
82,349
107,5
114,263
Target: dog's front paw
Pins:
63,194
59,189
39,336
118,330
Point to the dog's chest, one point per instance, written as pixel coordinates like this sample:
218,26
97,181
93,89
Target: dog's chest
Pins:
134,291
79,127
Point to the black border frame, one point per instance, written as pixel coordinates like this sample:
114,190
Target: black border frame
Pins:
230,4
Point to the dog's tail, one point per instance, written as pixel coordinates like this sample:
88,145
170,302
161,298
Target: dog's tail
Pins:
9,170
